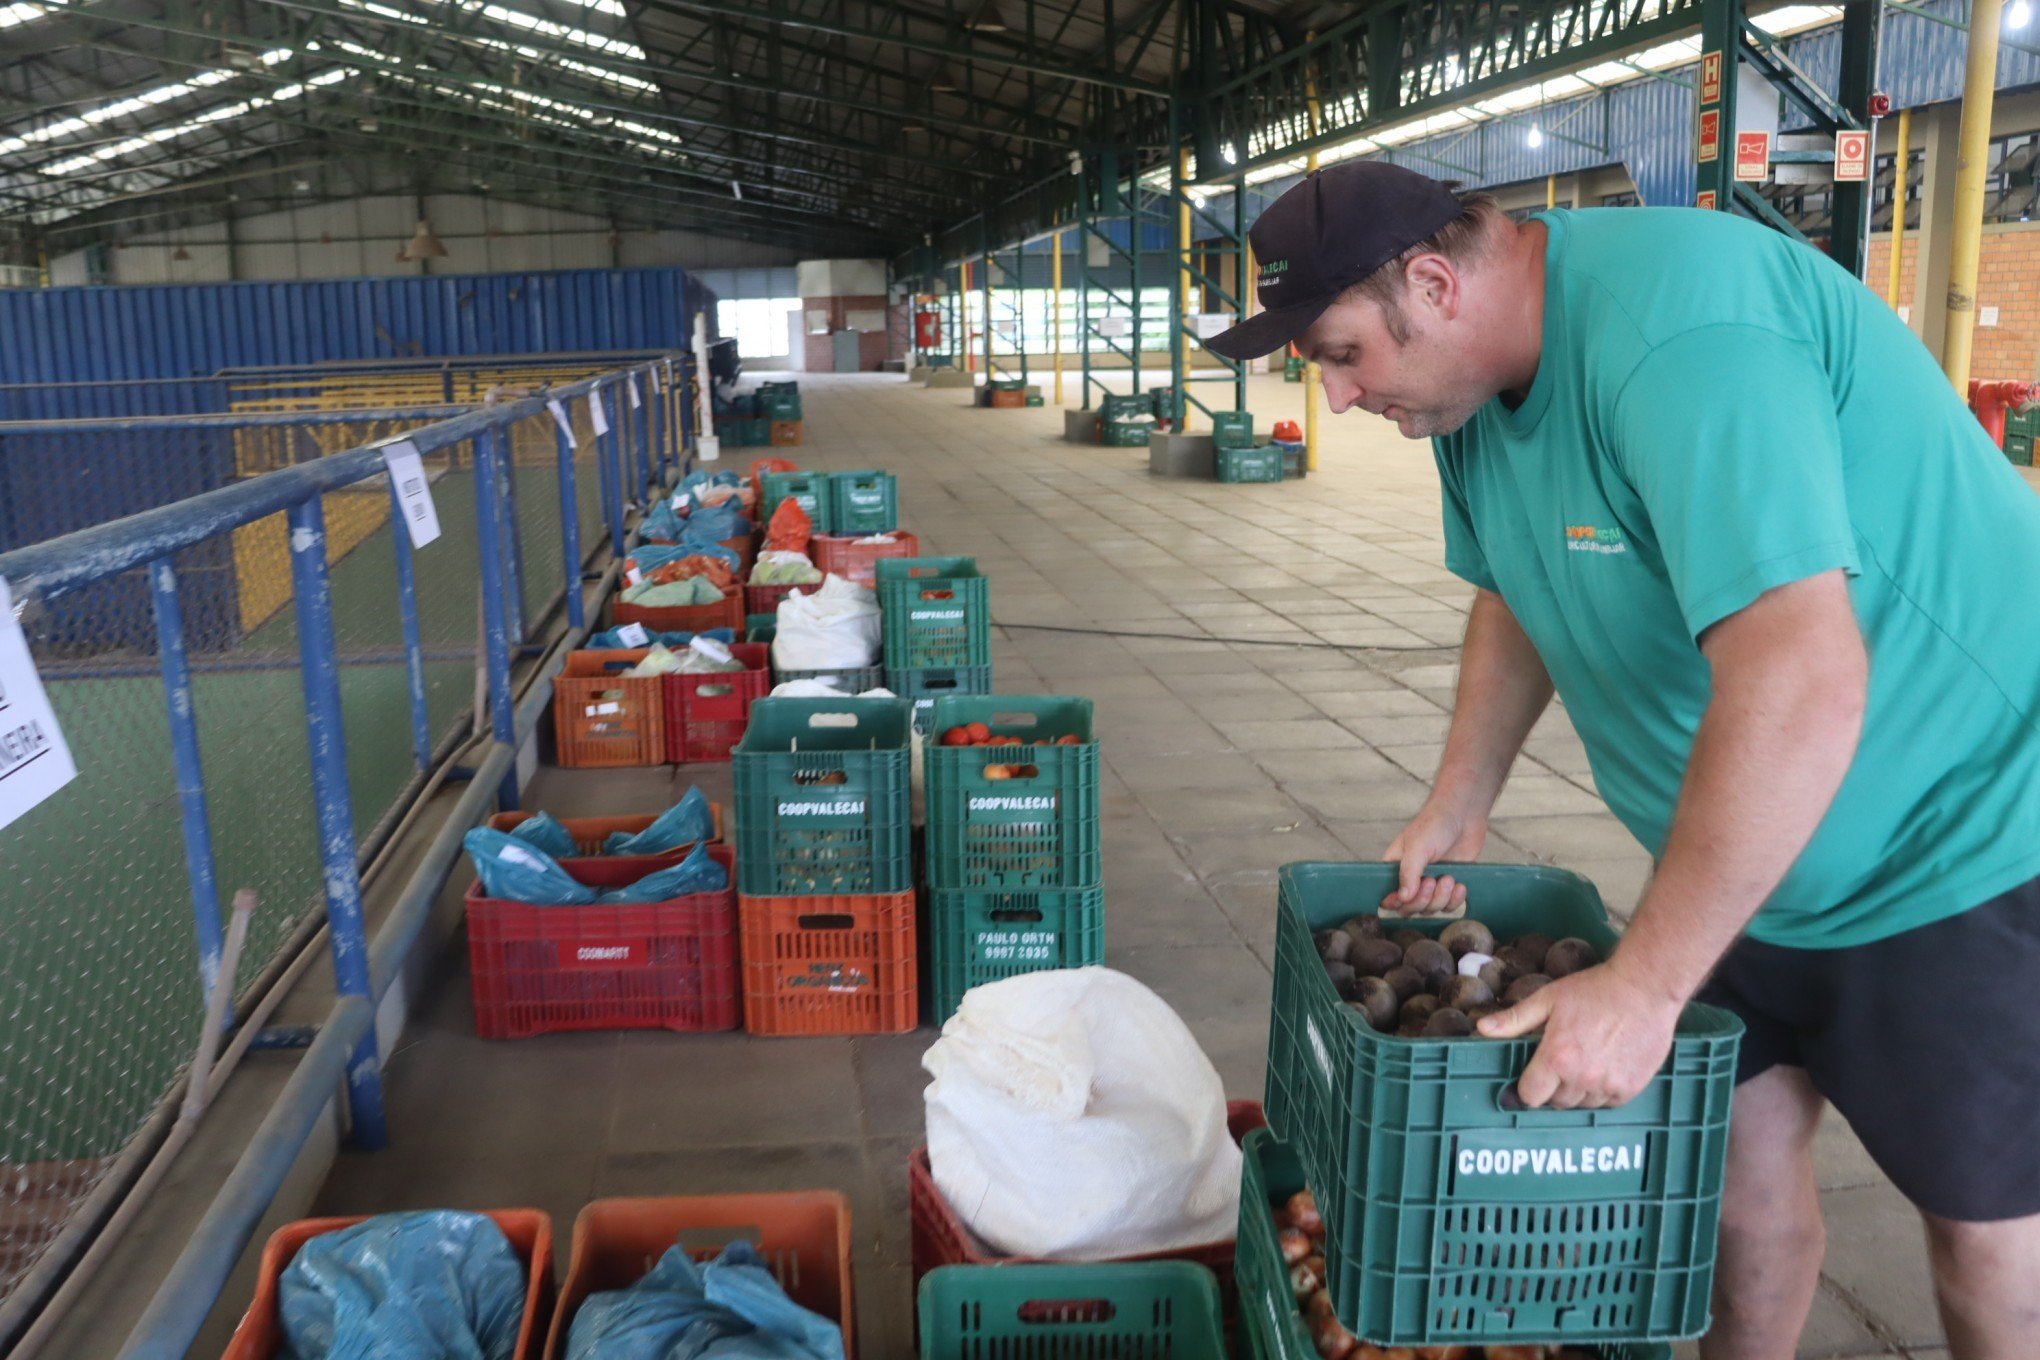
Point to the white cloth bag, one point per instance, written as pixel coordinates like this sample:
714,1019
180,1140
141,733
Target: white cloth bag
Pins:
1073,1116
834,628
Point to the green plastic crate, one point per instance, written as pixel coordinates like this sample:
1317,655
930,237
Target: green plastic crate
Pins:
1124,406
811,489
1040,831
1263,464
1160,1310
920,631
1270,1321
849,679
866,502
822,798
922,686
2021,427
1443,1224
780,406
1126,434
980,937
1232,430
761,627
1006,385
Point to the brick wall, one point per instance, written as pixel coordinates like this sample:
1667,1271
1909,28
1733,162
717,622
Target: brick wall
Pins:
821,349
2008,279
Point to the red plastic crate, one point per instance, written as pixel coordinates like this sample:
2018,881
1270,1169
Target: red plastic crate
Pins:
941,1239
601,719
846,557
260,1334
706,714
804,1236
830,964
650,965
728,612
765,599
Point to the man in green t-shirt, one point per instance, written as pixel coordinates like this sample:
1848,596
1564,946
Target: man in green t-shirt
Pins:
1716,496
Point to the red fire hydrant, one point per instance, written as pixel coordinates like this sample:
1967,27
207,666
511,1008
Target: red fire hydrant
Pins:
1992,400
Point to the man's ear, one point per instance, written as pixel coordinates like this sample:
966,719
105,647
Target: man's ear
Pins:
1433,285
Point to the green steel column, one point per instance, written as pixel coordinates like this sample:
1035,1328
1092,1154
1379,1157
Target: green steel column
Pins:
1849,223
1084,286
1243,281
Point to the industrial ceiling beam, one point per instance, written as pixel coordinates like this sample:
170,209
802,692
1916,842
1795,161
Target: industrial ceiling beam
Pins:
946,46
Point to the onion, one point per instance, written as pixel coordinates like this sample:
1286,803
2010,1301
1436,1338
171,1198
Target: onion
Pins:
1332,1341
1303,1212
1295,1244
1303,1281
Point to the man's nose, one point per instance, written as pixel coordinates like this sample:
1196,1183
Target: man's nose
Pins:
1339,395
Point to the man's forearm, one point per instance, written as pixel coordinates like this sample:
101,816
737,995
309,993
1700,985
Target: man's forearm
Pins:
1503,687
1772,750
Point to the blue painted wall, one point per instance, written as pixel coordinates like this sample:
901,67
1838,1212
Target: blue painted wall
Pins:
191,330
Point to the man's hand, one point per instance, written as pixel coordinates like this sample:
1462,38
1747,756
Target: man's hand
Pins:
1441,831
1606,1034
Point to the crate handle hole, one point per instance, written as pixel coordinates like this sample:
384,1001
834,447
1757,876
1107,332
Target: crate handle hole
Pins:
714,691
1016,915
832,720
827,921
1015,720
1048,1312
809,778
938,594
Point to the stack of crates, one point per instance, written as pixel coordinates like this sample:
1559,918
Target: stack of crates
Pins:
1015,874
1006,392
779,406
811,489
938,630
1126,421
1237,458
2020,429
825,867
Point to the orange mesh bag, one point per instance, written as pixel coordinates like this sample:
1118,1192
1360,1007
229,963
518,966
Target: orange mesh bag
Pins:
790,528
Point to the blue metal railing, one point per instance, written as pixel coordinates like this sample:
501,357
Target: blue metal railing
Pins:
648,439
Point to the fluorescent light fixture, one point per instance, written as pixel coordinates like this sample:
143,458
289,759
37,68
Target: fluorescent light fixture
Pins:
2019,15
1534,138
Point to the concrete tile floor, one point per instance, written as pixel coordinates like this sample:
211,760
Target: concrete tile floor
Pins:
1207,623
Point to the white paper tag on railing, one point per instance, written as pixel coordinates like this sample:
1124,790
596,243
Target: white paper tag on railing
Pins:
34,760
561,418
595,411
414,491
633,635
630,386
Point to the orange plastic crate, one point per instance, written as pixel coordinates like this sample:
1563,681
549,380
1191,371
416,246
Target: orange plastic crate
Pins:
829,964
1007,400
706,714
941,1239
602,719
260,1334
847,557
638,965
804,1235
786,433
728,612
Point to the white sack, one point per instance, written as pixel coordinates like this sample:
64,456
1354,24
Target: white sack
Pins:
1073,1116
834,628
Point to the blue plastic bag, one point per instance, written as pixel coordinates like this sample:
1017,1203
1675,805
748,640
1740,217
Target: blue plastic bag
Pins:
547,833
697,873
660,524
650,556
715,524
423,1286
729,1309
689,820
517,872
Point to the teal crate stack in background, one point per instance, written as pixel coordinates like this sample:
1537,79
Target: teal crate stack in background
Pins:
1453,1217
822,790
938,629
1232,430
811,489
1015,871
1159,1310
2020,429
860,503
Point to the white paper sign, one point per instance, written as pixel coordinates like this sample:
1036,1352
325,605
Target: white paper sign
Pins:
561,418
1208,324
1114,325
595,411
414,491
633,635
630,386
34,761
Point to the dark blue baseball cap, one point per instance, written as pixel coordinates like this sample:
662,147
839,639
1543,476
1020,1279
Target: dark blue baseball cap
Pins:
1326,234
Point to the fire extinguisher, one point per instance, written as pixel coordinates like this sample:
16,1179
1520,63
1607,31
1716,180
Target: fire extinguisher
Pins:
927,330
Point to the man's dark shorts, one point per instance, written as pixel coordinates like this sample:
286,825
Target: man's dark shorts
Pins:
1928,1043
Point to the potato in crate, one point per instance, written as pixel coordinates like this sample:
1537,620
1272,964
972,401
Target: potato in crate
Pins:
1453,1214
